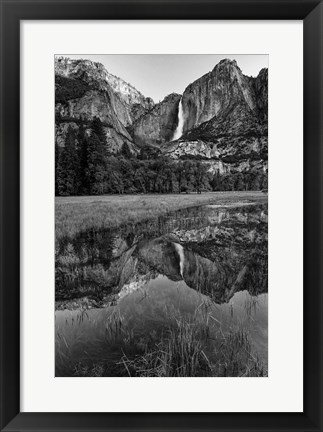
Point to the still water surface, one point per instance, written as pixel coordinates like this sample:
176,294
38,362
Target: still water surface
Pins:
205,263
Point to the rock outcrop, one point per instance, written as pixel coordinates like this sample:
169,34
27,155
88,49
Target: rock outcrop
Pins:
159,124
84,90
261,89
234,141
97,104
214,93
97,77
225,120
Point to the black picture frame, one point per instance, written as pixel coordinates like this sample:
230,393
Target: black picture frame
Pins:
12,12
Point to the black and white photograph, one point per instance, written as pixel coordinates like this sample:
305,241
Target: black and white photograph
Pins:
161,215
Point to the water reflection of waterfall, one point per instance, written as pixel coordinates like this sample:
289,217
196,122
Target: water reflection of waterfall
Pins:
180,251
179,129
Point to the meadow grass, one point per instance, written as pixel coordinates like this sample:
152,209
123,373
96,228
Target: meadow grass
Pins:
188,349
74,214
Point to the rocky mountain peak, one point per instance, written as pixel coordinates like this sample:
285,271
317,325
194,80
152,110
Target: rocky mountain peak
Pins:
215,92
261,90
96,76
226,63
225,120
171,97
84,89
263,74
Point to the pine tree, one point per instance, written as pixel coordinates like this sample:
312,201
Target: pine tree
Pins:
239,182
189,176
125,151
68,166
83,162
96,158
200,177
98,130
180,175
57,171
95,170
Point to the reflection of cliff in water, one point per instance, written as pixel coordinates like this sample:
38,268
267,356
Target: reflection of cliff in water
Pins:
214,251
219,278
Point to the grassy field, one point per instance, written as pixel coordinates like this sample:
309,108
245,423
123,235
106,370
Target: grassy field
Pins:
74,214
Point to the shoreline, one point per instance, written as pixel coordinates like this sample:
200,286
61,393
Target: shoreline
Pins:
78,213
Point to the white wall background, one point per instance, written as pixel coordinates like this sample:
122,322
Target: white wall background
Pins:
282,390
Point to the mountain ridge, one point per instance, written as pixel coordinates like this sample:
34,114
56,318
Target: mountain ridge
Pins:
225,114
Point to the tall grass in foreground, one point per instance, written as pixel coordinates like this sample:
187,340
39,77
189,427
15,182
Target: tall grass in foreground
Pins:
185,347
182,353
179,354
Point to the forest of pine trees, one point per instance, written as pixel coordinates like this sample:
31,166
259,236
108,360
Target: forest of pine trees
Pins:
85,167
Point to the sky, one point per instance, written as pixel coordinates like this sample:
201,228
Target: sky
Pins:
156,75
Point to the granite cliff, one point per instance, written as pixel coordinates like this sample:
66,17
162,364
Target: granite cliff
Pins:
159,124
223,124
225,120
84,90
216,92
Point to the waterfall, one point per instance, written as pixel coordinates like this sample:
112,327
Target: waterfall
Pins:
179,129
